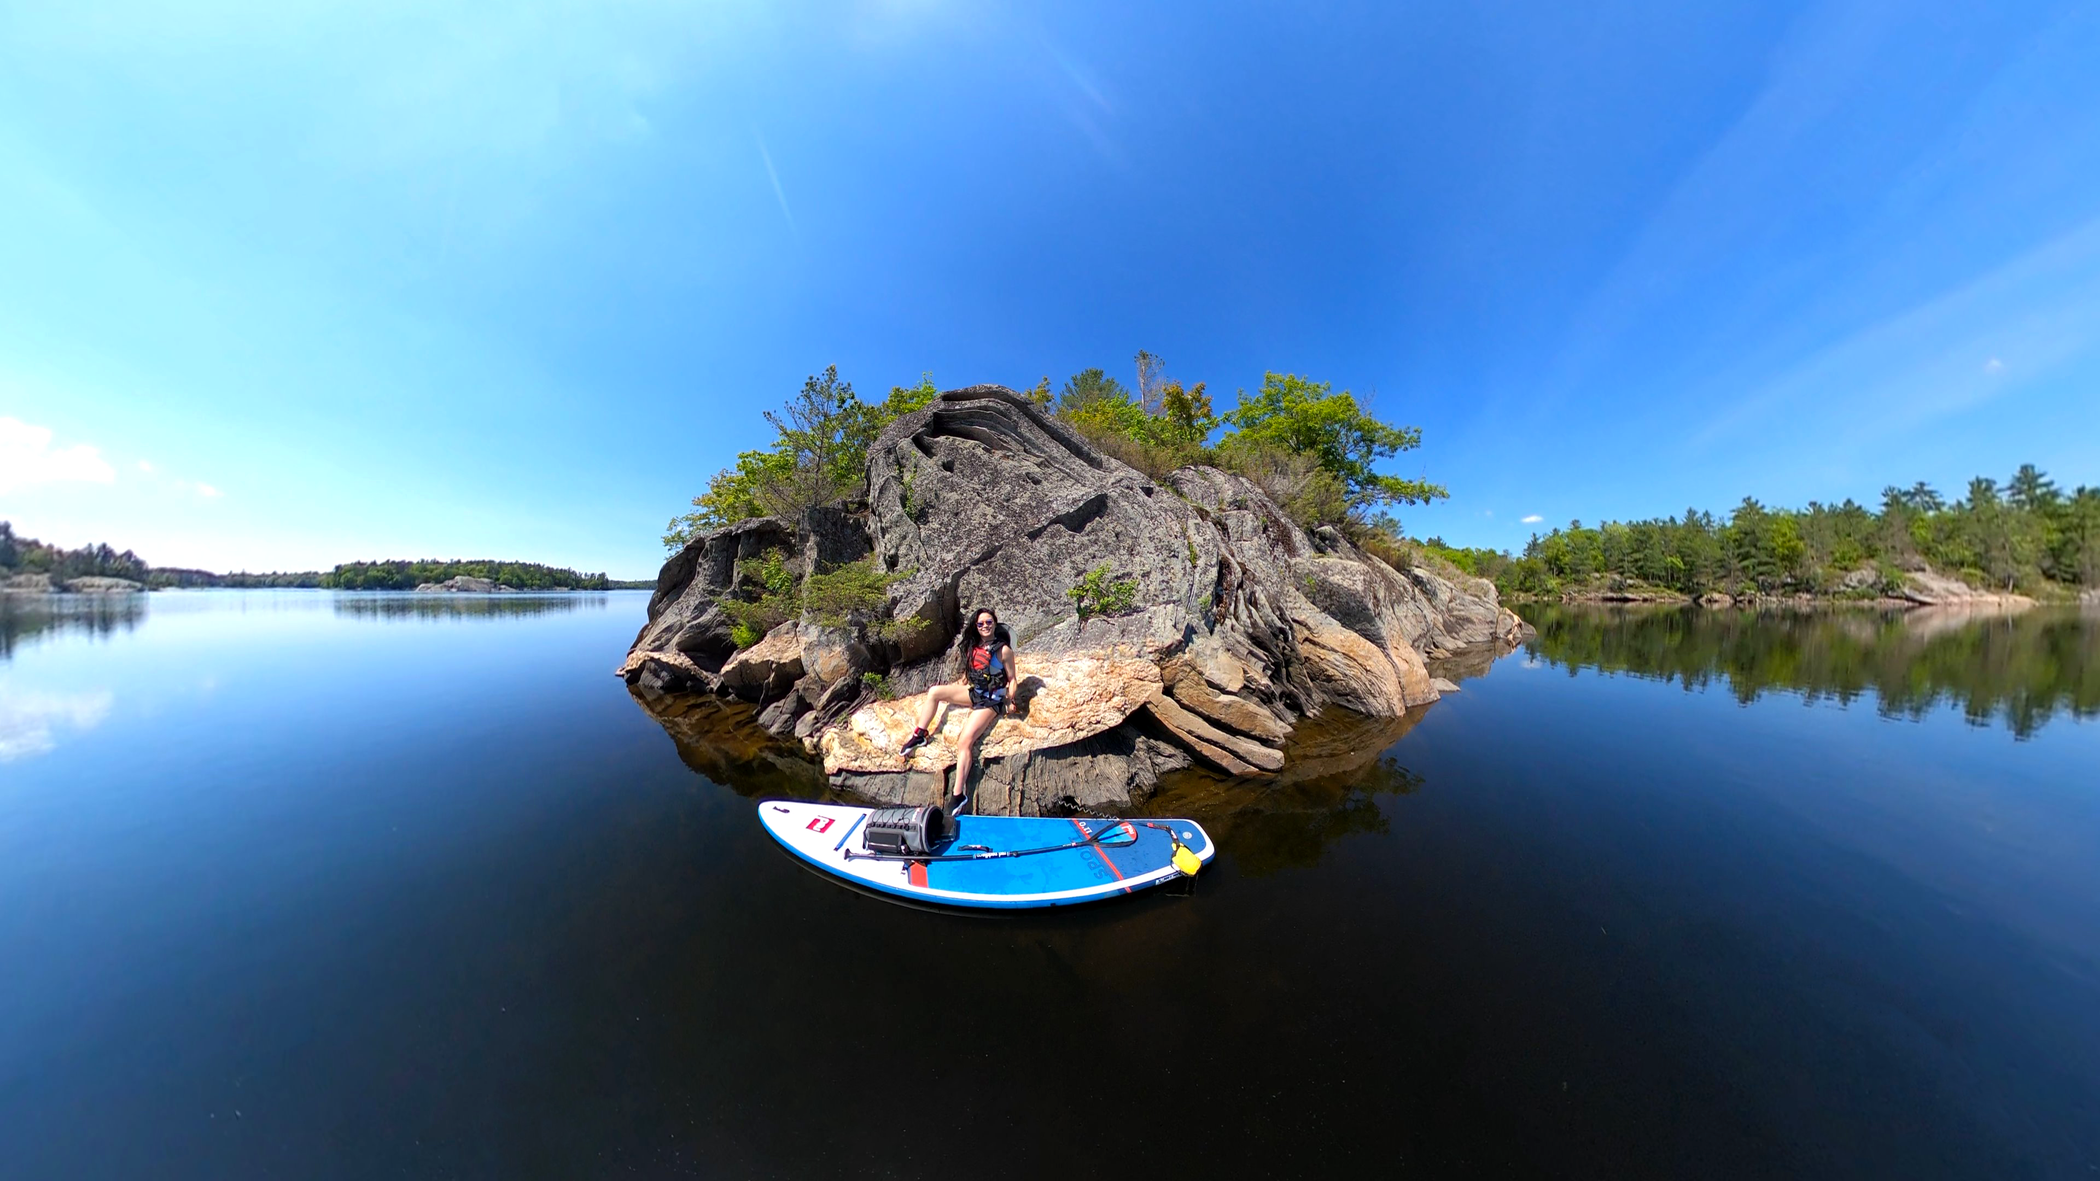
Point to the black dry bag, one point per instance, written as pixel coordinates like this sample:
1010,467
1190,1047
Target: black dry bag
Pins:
912,831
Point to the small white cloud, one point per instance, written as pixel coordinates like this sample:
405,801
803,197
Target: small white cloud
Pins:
1533,519
208,492
1487,512
1994,365
29,722
27,457
145,467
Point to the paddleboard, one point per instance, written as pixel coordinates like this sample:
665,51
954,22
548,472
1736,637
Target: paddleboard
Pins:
1129,856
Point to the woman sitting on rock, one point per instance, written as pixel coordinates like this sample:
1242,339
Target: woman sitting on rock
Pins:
985,658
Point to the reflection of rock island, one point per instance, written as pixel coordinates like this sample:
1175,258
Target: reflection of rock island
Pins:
1334,770
720,740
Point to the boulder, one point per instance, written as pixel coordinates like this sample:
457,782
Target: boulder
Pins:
1224,622
1929,589
765,671
461,584
26,584
685,613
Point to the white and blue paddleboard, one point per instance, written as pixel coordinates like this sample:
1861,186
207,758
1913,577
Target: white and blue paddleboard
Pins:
994,861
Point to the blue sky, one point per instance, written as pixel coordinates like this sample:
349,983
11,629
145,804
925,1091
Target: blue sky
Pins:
289,284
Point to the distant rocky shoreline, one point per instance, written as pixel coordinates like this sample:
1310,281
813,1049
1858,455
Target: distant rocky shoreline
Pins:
1231,623
44,584
1918,589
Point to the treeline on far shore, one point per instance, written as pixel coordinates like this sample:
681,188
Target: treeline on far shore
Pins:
2027,536
405,575
27,555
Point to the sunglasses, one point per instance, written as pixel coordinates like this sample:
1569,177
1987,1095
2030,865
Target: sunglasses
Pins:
987,623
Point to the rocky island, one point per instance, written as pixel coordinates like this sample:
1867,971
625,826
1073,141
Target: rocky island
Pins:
1156,622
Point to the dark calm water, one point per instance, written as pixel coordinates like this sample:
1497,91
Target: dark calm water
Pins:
301,885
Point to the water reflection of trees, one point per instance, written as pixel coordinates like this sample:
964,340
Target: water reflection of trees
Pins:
25,617
2019,670
409,605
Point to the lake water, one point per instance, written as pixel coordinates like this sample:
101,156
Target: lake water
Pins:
295,884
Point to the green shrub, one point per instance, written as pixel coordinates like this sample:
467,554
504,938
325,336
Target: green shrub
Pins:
830,599
1307,492
1097,594
861,588
773,604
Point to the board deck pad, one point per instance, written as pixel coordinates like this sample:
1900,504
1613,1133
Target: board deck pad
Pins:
822,834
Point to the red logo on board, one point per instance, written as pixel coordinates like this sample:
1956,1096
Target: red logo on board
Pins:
819,824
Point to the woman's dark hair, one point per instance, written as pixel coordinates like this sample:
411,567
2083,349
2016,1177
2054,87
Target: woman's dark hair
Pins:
969,641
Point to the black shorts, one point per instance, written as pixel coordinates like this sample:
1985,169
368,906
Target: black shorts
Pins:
995,699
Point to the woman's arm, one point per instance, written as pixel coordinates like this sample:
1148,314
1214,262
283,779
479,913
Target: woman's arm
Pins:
1013,680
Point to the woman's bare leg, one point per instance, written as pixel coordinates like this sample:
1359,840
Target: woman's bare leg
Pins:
937,696
966,746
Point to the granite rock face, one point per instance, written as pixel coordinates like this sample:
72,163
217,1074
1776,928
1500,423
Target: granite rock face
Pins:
463,584
1238,623
1929,589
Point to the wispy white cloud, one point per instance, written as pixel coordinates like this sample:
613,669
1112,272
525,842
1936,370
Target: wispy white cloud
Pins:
196,488
779,194
1081,80
1533,519
27,458
1921,364
29,722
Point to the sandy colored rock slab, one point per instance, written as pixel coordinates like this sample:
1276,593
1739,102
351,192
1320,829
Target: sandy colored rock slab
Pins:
98,585
1207,740
1195,692
1072,696
765,670
1929,589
